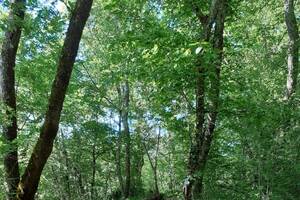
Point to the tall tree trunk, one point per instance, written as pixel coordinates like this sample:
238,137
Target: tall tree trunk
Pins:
213,26
43,148
127,141
293,47
8,93
119,145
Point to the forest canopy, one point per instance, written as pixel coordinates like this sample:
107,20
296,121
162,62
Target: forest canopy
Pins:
149,99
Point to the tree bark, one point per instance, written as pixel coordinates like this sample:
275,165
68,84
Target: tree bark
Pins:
119,145
213,26
8,93
293,47
43,148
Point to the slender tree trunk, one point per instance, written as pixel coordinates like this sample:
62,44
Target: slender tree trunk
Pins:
107,180
43,148
8,93
119,145
65,157
137,185
171,150
293,47
213,26
77,174
153,163
93,172
156,162
127,141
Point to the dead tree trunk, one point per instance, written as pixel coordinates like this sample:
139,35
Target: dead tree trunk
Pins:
43,148
8,93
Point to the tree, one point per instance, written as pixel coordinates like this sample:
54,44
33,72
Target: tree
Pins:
29,182
157,72
213,27
30,179
8,94
293,47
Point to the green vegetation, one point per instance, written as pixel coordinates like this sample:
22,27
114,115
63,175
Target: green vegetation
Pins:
149,100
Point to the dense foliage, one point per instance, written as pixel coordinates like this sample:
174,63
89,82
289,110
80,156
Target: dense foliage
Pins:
129,116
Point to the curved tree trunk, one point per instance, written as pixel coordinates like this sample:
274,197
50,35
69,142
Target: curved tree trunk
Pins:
8,93
43,148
